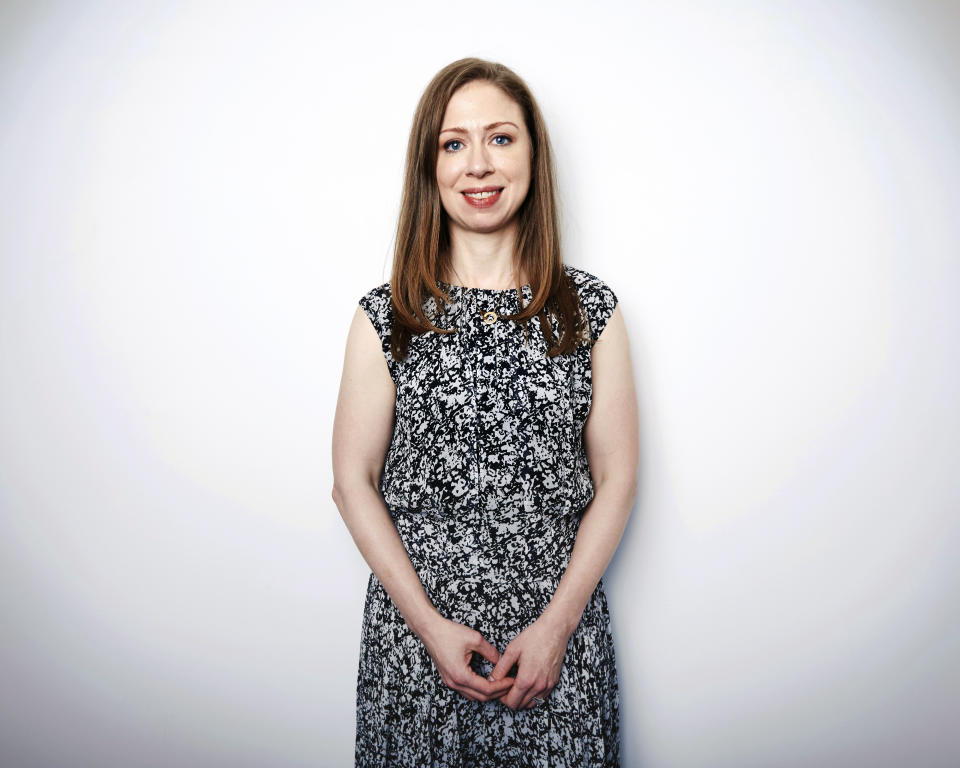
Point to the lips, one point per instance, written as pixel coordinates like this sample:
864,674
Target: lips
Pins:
482,197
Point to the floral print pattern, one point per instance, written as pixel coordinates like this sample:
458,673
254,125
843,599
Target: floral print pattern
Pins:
486,479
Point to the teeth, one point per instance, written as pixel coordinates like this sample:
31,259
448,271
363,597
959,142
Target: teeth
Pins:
481,195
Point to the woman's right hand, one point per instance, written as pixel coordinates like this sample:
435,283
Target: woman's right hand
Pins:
451,646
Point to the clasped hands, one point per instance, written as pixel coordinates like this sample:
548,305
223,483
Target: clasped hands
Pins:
538,652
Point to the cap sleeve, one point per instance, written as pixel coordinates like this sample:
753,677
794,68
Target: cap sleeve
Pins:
597,297
377,305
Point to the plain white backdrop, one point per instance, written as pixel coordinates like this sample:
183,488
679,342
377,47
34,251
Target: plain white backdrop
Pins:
193,198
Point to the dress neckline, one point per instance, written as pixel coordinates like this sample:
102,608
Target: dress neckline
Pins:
490,291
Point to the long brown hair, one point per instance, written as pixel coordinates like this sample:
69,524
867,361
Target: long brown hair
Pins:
421,253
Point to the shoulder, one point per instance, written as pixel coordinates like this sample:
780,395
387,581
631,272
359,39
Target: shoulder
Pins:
377,304
596,296
587,283
595,293
377,300
377,295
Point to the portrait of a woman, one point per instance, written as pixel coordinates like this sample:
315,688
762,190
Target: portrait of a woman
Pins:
485,453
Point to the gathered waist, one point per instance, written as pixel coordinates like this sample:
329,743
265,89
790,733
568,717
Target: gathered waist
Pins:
527,547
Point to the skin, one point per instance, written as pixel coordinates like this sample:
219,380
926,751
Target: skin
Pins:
482,239
482,242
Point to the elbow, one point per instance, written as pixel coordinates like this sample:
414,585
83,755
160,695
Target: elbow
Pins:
345,489
624,485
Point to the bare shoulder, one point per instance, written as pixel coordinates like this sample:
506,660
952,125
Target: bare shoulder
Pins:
363,423
371,327
611,433
364,352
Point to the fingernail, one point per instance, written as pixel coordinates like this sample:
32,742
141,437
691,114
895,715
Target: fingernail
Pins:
490,678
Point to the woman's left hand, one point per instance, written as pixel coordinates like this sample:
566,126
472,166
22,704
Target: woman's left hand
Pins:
538,651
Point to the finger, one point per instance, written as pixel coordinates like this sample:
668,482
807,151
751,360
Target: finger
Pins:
462,690
482,688
518,694
487,649
505,663
529,703
470,691
462,681
502,684
504,695
467,694
503,687
480,685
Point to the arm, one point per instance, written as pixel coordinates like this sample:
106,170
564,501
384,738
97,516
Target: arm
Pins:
362,431
611,437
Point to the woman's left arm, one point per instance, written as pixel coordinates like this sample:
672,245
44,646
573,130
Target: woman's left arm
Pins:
611,437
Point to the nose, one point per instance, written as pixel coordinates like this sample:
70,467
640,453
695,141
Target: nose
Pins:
478,160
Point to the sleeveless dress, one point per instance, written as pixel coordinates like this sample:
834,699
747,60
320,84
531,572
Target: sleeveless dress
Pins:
486,478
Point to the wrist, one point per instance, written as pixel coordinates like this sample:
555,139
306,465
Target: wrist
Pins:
563,620
424,622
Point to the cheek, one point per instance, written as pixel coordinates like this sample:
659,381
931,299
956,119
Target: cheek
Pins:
446,185
520,171
448,171
521,181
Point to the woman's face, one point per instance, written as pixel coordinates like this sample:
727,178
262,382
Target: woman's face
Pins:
484,145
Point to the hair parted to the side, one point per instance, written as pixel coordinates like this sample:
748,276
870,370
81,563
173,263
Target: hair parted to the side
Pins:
421,254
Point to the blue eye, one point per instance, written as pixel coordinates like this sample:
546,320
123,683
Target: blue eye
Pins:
446,146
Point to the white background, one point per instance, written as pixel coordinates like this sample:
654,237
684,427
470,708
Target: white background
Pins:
193,197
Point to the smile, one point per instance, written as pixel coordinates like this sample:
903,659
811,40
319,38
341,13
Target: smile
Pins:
483,199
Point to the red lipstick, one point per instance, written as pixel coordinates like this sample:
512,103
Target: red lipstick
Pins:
485,201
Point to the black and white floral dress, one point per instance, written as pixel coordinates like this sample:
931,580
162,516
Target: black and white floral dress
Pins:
486,478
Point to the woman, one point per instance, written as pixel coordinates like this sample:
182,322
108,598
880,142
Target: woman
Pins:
485,455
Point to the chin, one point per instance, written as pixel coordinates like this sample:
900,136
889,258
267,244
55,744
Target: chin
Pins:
486,228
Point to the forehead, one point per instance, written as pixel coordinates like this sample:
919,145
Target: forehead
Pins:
480,103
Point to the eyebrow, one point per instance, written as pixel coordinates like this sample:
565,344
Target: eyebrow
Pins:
458,129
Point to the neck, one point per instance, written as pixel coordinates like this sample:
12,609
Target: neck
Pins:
482,259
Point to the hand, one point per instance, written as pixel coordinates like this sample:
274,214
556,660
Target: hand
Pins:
538,652
451,646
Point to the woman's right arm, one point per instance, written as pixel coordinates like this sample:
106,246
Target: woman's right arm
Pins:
362,431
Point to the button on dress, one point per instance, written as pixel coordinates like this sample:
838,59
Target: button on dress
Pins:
486,479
